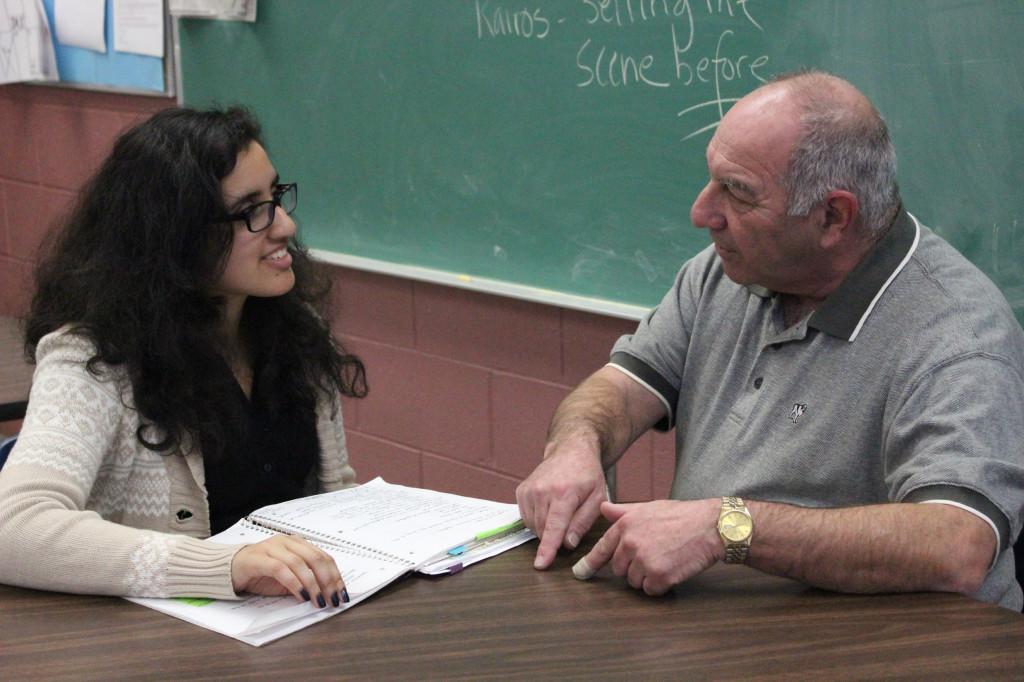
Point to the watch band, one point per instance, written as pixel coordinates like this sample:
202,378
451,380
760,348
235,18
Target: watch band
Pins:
732,503
736,554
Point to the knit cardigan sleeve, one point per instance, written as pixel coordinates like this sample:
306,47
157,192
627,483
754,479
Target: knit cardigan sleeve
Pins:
84,508
334,472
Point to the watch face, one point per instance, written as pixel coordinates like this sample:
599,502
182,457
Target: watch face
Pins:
735,526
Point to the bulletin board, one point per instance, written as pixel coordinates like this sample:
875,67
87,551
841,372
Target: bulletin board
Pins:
113,70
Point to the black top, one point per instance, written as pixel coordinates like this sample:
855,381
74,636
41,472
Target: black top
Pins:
269,462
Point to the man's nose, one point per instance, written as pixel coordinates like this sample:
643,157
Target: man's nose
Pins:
704,212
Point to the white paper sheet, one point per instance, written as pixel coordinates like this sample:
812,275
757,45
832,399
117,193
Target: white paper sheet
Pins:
81,23
375,532
258,620
414,524
139,27
453,563
26,46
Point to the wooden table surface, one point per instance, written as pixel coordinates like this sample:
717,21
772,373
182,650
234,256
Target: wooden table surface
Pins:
503,620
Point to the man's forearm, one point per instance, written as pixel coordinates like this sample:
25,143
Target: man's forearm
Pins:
608,410
880,548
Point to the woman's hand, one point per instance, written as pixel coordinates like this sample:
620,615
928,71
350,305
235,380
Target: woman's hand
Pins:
285,564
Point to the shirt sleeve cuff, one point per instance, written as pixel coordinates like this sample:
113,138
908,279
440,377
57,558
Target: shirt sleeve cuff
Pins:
972,502
643,374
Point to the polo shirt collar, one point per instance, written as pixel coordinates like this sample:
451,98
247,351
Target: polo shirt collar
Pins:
845,311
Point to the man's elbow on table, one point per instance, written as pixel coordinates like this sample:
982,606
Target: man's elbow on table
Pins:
969,554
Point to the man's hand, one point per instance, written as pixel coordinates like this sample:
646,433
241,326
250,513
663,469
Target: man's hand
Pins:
560,500
656,545
285,564
591,429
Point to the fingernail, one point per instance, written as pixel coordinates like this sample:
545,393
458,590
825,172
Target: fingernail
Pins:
320,600
344,596
335,601
304,594
582,570
573,540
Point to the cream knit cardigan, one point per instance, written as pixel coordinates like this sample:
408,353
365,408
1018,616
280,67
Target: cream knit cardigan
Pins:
85,508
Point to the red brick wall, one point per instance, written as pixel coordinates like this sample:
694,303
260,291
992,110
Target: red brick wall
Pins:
462,384
50,140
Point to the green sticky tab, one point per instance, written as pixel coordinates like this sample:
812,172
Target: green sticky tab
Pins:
195,601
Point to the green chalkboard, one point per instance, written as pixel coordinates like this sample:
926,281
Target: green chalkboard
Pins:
558,144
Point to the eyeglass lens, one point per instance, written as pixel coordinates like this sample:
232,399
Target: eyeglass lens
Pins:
263,215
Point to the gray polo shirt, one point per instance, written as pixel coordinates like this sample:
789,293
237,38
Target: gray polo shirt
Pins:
906,384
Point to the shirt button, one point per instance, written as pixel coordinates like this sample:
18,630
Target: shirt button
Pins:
758,381
268,467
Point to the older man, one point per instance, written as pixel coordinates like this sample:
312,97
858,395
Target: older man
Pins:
830,366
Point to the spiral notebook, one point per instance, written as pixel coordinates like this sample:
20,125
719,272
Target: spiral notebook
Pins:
376,532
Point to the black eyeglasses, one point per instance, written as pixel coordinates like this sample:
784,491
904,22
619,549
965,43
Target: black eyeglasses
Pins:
260,216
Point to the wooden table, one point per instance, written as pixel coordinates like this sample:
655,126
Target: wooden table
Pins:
15,373
502,620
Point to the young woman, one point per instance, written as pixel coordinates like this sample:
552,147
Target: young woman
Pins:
183,378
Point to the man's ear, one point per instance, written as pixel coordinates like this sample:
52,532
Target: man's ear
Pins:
841,209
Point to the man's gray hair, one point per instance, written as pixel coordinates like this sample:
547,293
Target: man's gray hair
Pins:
842,147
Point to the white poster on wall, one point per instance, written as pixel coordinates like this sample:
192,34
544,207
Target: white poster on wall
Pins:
81,23
139,27
26,45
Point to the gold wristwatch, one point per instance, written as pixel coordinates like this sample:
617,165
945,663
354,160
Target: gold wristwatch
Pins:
736,528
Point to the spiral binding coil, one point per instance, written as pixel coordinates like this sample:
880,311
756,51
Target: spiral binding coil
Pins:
309,534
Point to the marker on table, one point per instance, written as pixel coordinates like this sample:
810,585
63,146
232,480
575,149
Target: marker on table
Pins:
507,528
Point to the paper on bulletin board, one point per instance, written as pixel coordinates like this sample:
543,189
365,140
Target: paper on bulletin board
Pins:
118,70
231,10
139,27
26,47
80,23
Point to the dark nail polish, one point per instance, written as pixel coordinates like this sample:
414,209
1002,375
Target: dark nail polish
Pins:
334,599
320,600
304,594
344,596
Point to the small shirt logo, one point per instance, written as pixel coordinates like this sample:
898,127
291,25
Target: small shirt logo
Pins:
797,411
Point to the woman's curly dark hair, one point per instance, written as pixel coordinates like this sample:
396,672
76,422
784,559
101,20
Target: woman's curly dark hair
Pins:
131,271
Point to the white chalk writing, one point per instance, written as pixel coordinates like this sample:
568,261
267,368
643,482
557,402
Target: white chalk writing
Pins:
492,22
606,58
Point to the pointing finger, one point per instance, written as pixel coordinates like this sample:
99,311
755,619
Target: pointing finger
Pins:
559,515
